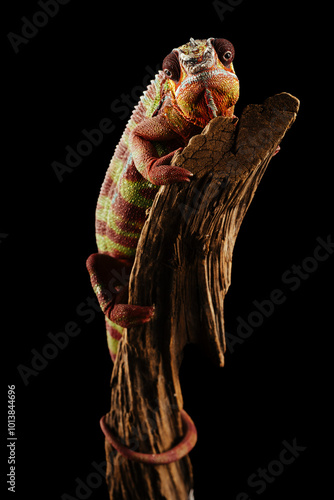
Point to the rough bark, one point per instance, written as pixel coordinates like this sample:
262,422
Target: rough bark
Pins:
183,267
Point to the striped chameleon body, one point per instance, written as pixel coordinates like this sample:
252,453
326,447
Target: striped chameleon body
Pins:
197,83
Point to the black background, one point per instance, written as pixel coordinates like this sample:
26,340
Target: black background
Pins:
273,387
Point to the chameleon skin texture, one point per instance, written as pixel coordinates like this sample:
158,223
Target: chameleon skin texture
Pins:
197,83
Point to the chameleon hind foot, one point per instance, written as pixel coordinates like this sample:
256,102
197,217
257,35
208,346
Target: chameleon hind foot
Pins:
109,278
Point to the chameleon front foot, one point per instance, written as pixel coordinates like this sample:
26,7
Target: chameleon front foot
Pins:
161,173
176,453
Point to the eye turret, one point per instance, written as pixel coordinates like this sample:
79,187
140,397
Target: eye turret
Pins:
224,49
171,66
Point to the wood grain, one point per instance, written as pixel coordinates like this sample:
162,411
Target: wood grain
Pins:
183,267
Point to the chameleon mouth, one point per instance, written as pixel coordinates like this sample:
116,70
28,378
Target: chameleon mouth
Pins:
203,77
209,92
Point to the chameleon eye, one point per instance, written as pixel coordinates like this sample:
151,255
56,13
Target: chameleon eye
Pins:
171,66
227,56
224,50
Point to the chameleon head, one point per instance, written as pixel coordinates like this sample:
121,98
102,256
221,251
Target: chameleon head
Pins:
201,78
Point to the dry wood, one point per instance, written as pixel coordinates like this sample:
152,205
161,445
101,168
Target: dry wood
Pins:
183,266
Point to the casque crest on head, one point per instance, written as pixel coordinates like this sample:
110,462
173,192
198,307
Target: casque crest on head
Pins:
198,55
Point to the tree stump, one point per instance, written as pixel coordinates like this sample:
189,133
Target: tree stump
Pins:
183,267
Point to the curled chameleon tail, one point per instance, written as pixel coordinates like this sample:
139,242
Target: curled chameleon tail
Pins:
176,453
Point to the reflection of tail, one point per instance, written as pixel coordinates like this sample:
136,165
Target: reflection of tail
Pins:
179,451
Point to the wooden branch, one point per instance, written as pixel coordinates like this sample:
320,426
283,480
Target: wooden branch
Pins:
183,267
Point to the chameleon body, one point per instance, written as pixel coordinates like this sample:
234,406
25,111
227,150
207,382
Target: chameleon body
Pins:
197,83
